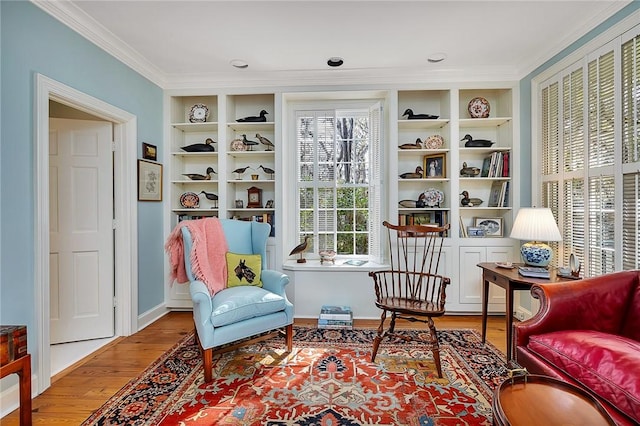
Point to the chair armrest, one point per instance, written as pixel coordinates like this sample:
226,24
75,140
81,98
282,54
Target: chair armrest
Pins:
590,304
201,299
274,281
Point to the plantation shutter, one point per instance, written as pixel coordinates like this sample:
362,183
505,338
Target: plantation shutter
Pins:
375,187
325,183
573,221
573,121
601,225
601,108
550,132
630,100
551,199
631,221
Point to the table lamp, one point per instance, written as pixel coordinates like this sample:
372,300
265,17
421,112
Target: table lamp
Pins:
536,224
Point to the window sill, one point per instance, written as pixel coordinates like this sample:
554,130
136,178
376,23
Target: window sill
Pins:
339,266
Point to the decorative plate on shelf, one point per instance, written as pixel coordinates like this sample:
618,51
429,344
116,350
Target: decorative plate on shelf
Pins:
434,142
238,145
198,113
432,197
479,108
190,200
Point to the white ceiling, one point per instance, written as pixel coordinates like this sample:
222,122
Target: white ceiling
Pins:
178,43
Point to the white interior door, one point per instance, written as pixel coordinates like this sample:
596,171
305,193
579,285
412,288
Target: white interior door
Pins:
81,230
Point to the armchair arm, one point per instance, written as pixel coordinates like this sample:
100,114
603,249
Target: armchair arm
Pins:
202,306
274,281
597,303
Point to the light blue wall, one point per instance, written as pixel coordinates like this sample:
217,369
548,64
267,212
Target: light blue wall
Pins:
525,97
33,42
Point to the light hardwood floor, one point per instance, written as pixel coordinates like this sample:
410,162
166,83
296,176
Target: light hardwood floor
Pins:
82,388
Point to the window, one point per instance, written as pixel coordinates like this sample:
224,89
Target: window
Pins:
338,179
590,127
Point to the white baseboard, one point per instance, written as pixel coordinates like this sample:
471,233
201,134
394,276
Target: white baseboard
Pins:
152,315
522,313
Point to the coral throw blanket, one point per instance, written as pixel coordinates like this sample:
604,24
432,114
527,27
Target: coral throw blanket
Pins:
208,262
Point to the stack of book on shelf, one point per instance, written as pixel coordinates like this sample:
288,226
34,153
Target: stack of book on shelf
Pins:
533,272
335,317
496,165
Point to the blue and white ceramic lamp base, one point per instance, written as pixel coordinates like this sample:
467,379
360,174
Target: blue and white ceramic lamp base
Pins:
535,253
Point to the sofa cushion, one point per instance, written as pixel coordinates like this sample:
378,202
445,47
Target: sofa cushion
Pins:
239,303
606,364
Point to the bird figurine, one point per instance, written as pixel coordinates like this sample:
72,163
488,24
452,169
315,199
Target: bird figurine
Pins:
196,176
416,145
207,146
411,116
211,196
469,171
469,202
475,143
413,175
266,142
300,249
249,144
267,170
254,119
240,171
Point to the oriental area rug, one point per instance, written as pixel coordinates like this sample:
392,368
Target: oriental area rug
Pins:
328,379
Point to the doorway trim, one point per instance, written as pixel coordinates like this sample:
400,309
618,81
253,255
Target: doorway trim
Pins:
124,204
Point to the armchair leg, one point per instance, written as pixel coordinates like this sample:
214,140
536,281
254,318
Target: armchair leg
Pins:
207,361
379,336
435,347
289,337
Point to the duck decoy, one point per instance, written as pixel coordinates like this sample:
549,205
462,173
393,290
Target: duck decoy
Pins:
266,142
469,202
267,170
207,146
254,119
416,145
469,171
249,144
413,175
300,249
240,170
196,176
411,116
211,196
475,143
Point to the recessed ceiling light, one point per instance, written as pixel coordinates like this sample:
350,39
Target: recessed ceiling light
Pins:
335,61
436,57
239,63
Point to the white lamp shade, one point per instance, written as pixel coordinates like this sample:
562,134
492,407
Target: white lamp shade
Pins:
535,224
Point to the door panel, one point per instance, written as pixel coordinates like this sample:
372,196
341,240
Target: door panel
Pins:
81,233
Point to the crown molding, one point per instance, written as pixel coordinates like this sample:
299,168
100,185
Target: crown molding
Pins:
76,19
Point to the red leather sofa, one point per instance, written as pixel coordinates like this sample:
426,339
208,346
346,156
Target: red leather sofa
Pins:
587,332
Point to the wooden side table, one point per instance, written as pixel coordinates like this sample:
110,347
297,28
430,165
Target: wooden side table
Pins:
21,367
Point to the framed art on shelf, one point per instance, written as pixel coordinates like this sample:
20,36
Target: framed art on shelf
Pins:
149,181
492,226
435,166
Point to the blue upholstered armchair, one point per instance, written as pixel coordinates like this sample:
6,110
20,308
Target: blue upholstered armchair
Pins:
239,312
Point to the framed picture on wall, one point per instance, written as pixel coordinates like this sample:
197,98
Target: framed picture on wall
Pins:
149,152
149,181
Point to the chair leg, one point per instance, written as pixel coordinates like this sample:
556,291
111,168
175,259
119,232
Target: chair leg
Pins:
207,361
435,347
379,336
289,337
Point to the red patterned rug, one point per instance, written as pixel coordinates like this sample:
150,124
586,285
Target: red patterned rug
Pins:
328,379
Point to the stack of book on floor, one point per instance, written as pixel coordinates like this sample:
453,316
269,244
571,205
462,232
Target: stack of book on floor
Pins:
335,317
533,272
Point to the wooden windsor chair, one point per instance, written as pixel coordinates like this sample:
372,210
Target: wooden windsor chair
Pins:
412,289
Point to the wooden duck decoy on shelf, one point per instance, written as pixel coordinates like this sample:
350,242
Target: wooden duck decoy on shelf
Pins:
196,176
211,196
267,170
300,249
468,201
266,142
469,171
476,143
416,145
207,146
254,119
411,116
413,175
249,144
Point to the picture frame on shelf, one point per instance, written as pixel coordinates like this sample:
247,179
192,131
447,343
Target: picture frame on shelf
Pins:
435,165
268,204
494,194
239,204
149,152
422,219
149,181
475,232
493,226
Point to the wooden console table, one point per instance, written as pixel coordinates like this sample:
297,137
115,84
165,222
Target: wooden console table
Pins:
510,280
21,367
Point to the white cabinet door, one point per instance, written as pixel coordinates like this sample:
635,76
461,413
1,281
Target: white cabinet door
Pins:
470,294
